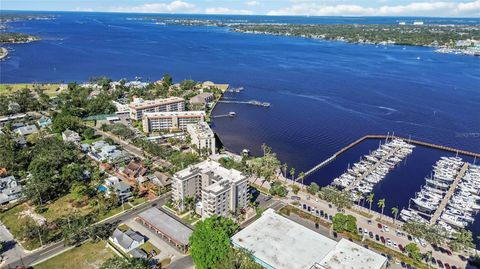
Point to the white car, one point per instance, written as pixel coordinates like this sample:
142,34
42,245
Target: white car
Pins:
395,245
389,242
365,231
385,228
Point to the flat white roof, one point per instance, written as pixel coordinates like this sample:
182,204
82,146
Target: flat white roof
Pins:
283,244
348,255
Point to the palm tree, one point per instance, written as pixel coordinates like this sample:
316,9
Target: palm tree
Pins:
394,213
285,167
292,172
370,200
381,204
301,176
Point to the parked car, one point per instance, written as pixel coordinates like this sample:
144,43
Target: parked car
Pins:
369,221
321,213
377,237
447,266
440,264
360,230
382,239
409,237
365,231
335,235
385,228
389,242
370,234
402,249
330,217
379,225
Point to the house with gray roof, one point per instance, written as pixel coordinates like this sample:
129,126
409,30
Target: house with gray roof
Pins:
26,130
10,190
127,241
71,136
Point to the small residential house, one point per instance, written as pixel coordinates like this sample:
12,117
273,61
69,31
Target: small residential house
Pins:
26,130
71,136
135,170
113,185
127,241
10,190
160,179
103,151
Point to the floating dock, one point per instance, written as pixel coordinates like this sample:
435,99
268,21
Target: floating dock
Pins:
251,102
409,140
449,194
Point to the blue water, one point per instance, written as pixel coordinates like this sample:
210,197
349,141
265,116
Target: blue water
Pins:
324,95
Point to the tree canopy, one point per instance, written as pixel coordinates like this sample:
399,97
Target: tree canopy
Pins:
125,263
210,241
344,223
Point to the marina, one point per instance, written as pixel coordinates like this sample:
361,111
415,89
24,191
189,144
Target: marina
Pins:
251,102
371,169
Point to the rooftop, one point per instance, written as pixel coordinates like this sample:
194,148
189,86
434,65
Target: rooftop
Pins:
26,130
140,103
283,244
201,129
167,225
217,173
174,113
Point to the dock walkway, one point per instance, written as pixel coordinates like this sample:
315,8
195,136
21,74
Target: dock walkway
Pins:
449,194
369,171
408,140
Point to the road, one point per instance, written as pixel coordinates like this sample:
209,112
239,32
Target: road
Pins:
13,251
55,248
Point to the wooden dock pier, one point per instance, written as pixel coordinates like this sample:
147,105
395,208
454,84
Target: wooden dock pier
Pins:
449,194
411,141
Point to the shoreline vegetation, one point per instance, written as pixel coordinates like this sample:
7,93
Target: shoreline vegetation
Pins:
457,39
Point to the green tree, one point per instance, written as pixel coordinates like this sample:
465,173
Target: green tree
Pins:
381,204
370,201
277,188
295,189
237,259
313,188
125,263
210,241
292,173
461,240
413,251
301,176
167,80
344,223
88,133
394,213
62,122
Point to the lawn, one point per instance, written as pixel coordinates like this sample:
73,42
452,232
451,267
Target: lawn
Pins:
14,222
190,218
137,201
87,256
49,89
63,206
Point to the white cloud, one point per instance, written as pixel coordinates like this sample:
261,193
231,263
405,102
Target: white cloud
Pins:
471,8
176,6
253,3
224,10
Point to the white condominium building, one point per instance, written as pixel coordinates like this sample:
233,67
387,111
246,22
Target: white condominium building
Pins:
139,107
170,120
220,190
202,136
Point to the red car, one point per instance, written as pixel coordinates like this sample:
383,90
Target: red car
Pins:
402,249
379,226
447,266
383,239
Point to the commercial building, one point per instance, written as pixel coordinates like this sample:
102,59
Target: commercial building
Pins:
171,230
202,137
139,107
219,190
277,242
161,121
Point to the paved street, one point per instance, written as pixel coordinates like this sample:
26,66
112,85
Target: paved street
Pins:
13,250
55,248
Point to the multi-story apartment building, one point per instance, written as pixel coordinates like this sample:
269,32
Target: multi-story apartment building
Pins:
202,137
220,190
160,121
139,107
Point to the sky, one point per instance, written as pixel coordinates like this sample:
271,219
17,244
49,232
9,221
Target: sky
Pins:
444,8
